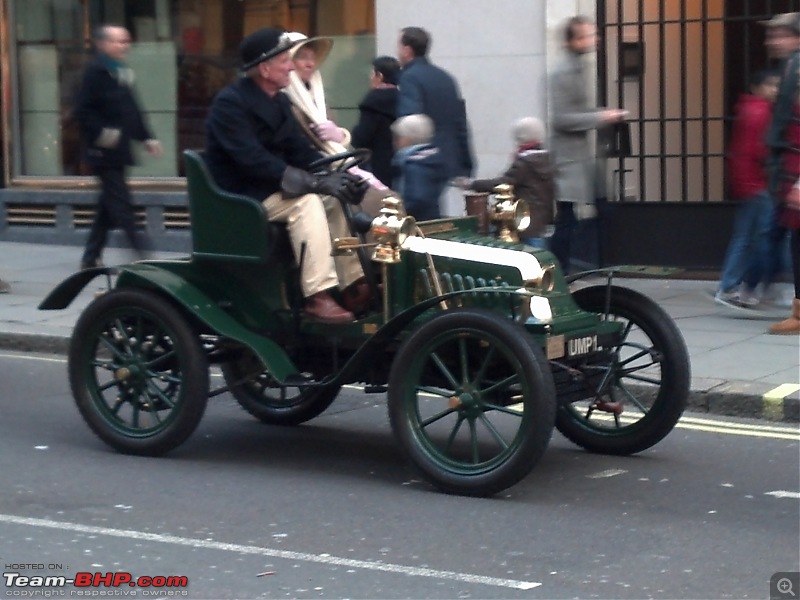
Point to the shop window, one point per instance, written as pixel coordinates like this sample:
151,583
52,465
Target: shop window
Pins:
183,52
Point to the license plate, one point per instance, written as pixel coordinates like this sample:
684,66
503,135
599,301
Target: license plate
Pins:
581,345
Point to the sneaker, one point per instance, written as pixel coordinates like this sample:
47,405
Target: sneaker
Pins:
778,295
748,298
5,287
730,299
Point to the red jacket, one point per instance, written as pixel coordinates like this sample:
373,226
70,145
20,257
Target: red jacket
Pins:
747,150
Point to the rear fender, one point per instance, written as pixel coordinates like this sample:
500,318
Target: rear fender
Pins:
201,306
66,291
193,300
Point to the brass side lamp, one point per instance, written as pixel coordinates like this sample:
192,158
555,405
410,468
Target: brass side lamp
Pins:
510,214
391,230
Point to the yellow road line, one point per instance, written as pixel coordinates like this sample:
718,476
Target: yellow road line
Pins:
790,434
719,423
782,391
773,400
728,427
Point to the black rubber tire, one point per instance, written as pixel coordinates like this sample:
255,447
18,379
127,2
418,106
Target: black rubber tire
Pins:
138,373
505,385
260,395
655,385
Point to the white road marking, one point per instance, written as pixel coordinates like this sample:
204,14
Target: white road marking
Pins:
783,494
33,357
272,552
607,473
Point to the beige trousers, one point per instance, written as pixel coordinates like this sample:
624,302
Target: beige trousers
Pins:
316,221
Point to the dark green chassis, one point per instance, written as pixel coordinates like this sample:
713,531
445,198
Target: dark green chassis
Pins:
250,304
239,308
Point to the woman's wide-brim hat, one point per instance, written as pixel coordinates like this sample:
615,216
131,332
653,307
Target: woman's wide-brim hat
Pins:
320,44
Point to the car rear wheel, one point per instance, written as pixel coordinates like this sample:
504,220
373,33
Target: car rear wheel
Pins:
138,373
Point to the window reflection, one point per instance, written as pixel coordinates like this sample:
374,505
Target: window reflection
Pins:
184,51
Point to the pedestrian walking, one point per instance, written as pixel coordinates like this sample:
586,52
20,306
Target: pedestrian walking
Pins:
580,176
109,118
783,139
425,88
419,166
748,258
376,113
531,174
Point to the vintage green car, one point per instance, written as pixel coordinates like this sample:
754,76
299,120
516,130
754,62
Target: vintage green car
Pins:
480,345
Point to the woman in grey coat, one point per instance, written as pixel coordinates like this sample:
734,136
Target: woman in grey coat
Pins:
579,177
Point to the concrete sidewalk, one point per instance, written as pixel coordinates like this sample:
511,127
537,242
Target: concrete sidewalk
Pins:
737,368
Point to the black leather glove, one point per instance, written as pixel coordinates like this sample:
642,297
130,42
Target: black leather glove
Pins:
344,186
351,189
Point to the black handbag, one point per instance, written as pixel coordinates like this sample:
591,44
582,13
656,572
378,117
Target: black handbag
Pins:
619,140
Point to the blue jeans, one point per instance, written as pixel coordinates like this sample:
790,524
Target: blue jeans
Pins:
536,242
779,258
749,250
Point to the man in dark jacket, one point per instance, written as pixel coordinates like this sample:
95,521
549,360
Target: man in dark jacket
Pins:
430,90
109,117
254,146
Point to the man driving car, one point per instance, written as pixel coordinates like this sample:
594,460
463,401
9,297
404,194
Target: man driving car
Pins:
254,147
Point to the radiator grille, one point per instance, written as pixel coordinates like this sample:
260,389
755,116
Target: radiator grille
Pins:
455,282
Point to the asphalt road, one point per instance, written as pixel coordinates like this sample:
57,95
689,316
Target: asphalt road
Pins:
331,510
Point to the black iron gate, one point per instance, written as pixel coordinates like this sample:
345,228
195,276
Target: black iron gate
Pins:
678,67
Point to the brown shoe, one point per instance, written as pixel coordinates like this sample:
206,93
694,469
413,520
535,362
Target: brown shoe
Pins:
790,326
323,307
356,296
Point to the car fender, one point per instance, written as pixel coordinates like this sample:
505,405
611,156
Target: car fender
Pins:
189,297
396,325
66,291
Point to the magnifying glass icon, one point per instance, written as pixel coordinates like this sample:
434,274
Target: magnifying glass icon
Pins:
784,586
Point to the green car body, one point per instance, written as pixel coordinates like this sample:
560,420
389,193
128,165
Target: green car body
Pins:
488,328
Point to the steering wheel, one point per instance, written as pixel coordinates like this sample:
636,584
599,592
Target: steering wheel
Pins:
349,159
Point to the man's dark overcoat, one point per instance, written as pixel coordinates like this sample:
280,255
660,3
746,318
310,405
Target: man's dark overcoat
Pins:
430,90
251,138
106,101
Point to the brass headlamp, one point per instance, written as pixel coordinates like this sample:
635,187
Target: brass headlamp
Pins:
390,230
511,215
